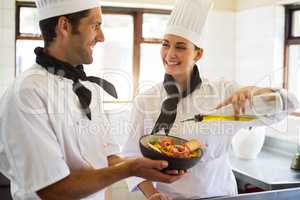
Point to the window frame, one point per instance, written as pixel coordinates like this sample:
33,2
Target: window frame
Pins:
289,39
24,36
138,39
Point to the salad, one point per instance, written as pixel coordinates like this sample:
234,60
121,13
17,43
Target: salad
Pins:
168,147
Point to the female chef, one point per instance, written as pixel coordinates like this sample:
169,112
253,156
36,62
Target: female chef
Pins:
183,94
55,139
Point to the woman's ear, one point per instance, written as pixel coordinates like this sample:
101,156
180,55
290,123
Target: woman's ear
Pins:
199,54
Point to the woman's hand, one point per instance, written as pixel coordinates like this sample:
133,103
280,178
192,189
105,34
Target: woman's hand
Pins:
241,97
239,100
158,196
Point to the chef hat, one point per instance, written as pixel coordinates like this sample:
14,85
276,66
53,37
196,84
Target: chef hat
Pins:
188,18
53,8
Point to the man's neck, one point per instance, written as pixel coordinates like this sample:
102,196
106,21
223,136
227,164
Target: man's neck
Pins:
57,53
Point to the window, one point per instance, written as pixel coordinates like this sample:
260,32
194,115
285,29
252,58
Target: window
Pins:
113,58
292,50
296,23
129,57
151,70
28,21
28,37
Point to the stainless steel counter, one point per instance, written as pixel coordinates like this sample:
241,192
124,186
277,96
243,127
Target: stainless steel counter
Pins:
270,171
284,194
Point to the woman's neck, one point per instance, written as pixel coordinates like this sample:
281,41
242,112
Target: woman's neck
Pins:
182,81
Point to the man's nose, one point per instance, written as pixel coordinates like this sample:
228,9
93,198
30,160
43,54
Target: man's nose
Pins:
100,36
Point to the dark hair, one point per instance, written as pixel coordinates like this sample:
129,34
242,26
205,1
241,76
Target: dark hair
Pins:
197,48
48,26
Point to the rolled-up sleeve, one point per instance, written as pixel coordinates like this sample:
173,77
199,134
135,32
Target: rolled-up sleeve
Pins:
289,101
271,112
269,108
133,183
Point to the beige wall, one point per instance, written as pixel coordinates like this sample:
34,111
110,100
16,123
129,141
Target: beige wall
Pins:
226,5
249,4
219,4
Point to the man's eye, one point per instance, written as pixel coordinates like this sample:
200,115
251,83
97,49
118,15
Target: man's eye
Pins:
95,26
165,45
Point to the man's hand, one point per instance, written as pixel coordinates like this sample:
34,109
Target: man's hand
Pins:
83,183
176,172
150,170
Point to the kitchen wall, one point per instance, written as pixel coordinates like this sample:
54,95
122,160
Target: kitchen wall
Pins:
259,53
220,5
219,42
250,4
259,45
7,43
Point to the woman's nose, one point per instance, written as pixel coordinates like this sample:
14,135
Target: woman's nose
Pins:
171,53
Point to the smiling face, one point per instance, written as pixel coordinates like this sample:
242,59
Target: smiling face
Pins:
179,56
79,48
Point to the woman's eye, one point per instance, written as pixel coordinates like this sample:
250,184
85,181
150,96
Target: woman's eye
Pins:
165,45
180,47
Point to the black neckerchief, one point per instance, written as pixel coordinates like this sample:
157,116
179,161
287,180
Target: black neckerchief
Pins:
57,67
169,106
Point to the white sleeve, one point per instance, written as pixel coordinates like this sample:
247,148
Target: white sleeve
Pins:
31,153
275,111
270,112
289,101
131,148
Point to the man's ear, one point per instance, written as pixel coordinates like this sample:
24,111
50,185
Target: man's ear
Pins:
199,54
63,27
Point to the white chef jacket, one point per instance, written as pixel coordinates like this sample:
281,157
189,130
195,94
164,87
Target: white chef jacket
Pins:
213,175
44,134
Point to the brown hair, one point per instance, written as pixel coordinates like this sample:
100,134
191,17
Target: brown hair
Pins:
48,26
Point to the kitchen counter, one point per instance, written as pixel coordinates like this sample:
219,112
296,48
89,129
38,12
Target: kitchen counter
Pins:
284,194
269,171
